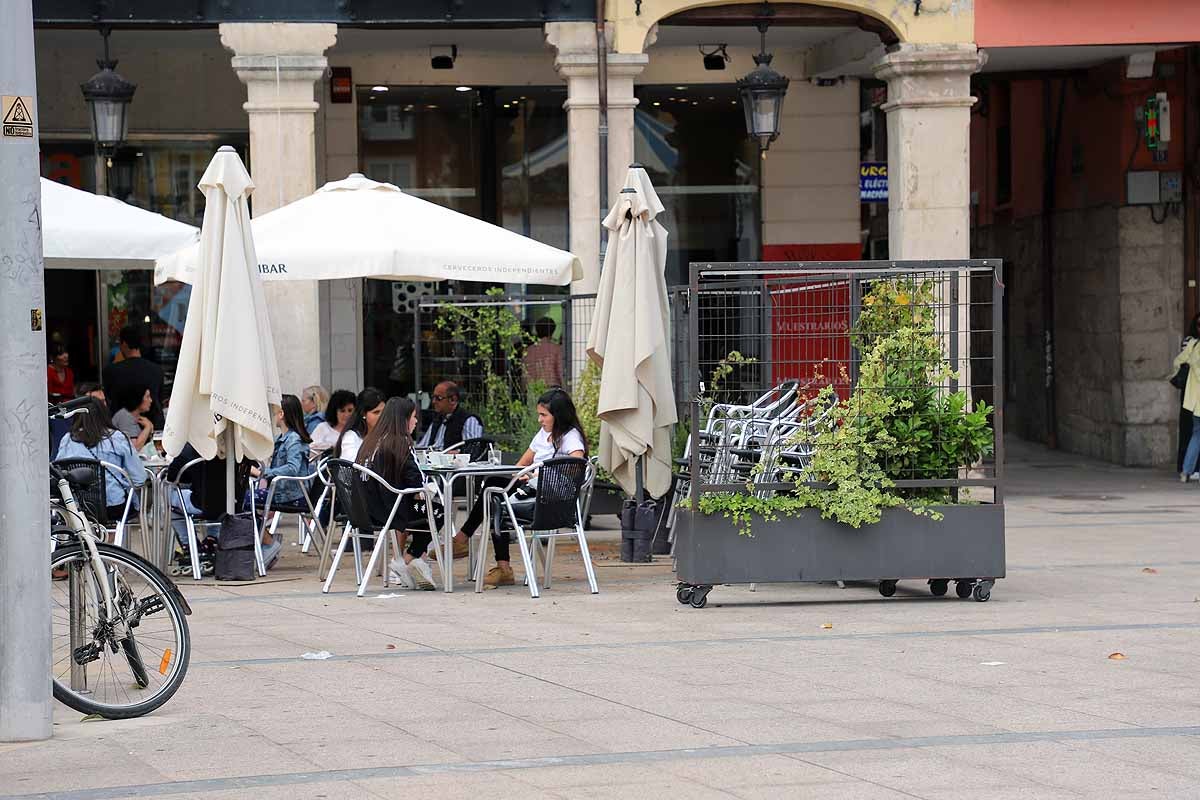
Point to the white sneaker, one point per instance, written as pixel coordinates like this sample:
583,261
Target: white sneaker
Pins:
398,573
421,574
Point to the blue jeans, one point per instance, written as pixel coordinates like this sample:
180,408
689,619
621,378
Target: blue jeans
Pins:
1193,449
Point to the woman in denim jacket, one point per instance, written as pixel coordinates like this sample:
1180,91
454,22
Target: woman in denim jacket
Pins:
93,436
290,457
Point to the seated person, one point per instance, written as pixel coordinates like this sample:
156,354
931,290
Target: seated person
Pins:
338,413
289,459
93,436
366,415
561,436
451,423
314,400
387,451
132,417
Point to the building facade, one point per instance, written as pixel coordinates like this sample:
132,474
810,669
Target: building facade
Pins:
509,132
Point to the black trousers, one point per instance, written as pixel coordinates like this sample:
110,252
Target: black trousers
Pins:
500,533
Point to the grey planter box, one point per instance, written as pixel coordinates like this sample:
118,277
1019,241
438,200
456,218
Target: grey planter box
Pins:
968,542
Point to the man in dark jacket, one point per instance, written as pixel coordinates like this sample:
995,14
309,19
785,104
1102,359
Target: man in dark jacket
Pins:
450,423
134,370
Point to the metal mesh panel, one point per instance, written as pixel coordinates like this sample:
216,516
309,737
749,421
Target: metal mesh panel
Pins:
905,356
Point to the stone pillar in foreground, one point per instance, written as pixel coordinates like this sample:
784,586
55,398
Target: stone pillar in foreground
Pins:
279,62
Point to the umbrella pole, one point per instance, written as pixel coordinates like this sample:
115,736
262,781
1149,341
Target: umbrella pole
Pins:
639,481
230,469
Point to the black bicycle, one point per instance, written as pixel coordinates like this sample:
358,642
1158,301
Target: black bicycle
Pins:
120,637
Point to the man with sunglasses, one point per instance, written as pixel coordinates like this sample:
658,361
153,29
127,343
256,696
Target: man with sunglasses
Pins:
450,423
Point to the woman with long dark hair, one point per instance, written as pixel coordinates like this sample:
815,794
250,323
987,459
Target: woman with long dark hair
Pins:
366,415
338,413
561,435
290,457
93,436
388,452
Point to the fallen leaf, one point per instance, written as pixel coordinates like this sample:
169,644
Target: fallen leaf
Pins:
391,647
827,626
1116,657
1150,571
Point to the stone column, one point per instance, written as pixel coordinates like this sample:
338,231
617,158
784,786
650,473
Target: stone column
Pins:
576,62
929,119
279,62
929,168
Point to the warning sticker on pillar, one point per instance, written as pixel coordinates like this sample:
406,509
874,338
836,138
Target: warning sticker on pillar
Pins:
16,113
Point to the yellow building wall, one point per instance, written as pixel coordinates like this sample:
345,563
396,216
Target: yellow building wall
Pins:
939,21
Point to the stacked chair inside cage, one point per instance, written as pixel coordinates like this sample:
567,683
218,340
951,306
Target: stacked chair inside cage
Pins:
764,442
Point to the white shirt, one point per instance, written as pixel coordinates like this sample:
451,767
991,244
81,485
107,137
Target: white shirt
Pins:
351,442
543,447
324,437
472,429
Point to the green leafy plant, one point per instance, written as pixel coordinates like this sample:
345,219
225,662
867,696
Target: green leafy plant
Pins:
495,343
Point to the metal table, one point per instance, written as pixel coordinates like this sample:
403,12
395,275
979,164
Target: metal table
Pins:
159,534
446,476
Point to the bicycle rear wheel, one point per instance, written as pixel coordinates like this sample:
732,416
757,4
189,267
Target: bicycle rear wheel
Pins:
127,665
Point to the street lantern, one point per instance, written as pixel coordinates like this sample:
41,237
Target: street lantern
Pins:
108,95
762,94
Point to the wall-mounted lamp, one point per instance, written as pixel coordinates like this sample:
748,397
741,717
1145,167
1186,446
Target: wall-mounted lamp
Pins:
443,56
715,56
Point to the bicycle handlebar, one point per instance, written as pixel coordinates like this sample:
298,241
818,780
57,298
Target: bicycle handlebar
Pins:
70,408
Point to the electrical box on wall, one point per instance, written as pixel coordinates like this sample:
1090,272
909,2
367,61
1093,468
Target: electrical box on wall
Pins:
1170,187
1142,188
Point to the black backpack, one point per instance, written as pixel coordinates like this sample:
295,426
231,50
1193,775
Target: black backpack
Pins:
235,549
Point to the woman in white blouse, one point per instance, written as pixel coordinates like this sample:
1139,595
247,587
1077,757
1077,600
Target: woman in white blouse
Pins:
366,414
561,435
338,413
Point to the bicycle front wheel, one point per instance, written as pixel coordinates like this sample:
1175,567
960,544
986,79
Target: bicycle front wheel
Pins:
119,665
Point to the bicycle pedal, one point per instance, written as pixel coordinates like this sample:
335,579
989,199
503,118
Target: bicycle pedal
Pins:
86,654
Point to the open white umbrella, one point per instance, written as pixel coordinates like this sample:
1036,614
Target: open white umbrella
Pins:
226,389
81,229
360,228
629,340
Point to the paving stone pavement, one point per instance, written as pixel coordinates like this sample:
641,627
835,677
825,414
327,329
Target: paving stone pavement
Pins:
628,694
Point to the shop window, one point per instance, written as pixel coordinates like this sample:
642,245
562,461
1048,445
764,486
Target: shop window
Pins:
692,141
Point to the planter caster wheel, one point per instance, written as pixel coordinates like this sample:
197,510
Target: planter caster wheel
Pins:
887,588
684,594
939,588
699,598
982,591
962,588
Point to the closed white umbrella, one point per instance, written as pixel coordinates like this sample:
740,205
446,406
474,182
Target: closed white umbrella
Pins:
226,389
629,340
360,228
81,229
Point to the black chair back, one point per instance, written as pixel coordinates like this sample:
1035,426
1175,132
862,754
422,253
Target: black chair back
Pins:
350,489
559,483
92,498
477,449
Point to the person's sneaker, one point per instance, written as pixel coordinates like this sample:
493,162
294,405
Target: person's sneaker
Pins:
499,576
398,573
461,549
1194,477
1183,477
421,574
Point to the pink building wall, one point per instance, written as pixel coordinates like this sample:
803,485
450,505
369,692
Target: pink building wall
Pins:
1026,23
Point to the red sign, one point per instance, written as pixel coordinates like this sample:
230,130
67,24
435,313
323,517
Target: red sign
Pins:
341,85
811,320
